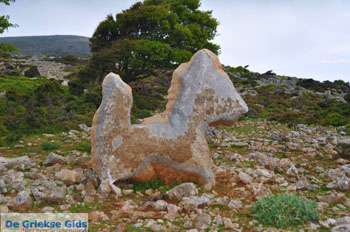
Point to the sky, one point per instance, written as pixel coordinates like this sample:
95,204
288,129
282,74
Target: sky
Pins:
302,38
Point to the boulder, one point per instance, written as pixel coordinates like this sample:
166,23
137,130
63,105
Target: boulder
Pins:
181,191
170,145
53,158
202,221
55,195
23,200
68,177
245,178
340,178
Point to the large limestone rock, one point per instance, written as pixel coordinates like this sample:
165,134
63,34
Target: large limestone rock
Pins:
170,145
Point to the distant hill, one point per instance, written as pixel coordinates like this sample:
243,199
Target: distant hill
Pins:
58,45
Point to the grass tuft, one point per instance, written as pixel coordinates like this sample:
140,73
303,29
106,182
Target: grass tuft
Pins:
284,211
49,146
155,184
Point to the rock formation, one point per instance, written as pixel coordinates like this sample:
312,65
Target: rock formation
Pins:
170,145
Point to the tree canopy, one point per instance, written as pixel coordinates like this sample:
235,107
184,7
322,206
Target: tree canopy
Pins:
4,25
4,19
150,34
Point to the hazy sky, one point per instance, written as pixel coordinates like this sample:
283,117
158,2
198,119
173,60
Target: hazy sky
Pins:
303,38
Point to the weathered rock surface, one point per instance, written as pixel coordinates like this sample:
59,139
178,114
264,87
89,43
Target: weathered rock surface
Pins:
170,145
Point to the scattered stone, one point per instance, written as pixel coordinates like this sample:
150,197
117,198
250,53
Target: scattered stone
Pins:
20,163
69,177
190,203
152,224
332,198
23,200
245,178
181,191
160,205
53,158
3,188
331,221
342,228
98,216
343,220
235,204
47,209
4,209
84,127
218,220
340,178
14,180
127,191
292,171
202,221
117,191
55,195
228,223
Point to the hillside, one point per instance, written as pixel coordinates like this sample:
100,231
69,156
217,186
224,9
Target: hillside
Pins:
57,45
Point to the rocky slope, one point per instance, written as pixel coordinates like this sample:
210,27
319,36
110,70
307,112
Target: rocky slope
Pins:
254,158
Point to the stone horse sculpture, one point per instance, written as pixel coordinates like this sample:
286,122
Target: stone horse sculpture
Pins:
170,145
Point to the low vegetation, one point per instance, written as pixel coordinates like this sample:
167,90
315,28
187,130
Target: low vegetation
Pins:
284,211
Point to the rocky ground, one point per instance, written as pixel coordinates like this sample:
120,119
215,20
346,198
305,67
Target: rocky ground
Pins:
254,158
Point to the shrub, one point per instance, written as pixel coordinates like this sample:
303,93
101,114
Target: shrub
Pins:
83,146
32,72
49,146
347,98
144,114
335,119
75,87
284,211
162,90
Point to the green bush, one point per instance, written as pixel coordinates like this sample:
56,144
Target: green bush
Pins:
284,211
49,146
83,146
162,90
145,102
32,72
347,98
335,119
144,114
75,87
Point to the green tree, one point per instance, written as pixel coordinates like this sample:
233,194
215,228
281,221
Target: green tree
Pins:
4,25
149,35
